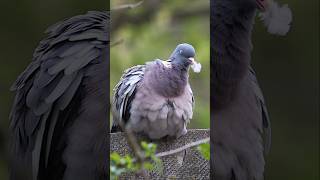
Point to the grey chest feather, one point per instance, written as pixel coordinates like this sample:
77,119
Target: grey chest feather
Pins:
157,116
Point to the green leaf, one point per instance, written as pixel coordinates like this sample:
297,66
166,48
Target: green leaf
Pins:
126,163
115,157
204,150
148,166
144,145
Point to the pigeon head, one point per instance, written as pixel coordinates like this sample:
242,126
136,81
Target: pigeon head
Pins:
183,55
277,18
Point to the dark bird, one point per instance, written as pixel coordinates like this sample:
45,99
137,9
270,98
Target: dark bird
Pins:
241,130
156,99
240,122
58,119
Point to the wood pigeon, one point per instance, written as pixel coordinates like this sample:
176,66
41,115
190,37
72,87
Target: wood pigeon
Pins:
241,130
156,99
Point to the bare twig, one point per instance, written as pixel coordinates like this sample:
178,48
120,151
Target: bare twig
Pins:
150,9
187,146
121,16
127,6
120,41
133,143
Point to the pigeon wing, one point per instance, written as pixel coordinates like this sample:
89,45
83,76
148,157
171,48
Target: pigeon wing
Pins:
264,113
124,93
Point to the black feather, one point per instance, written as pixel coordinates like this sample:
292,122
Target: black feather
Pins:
49,95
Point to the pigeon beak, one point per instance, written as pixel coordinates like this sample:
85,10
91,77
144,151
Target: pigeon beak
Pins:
191,60
262,4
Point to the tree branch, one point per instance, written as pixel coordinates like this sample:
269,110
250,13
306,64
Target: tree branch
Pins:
127,6
115,43
133,143
187,146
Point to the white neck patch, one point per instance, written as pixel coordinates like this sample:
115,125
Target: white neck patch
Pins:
167,64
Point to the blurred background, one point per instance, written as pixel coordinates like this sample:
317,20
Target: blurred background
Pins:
287,67
288,73
152,31
22,27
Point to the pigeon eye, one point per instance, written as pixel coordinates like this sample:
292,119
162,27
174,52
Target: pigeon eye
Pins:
180,52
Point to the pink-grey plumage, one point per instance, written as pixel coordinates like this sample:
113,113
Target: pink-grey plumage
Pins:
156,99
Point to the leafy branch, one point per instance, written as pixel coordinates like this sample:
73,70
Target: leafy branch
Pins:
147,160
128,163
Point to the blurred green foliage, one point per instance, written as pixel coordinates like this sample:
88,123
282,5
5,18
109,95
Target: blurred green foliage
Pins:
128,164
157,37
288,73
